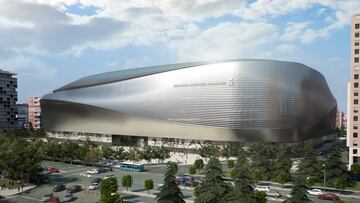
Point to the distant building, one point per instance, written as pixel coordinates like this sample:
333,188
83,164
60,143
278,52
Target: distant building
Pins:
34,113
341,120
8,98
353,130
22,115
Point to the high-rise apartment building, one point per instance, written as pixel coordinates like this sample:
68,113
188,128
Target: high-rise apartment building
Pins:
353,130
340,120
8,98
22,115
34,113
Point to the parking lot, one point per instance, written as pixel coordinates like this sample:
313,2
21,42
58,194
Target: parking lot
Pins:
74,175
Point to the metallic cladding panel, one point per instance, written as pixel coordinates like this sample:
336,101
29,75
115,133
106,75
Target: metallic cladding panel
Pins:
243,100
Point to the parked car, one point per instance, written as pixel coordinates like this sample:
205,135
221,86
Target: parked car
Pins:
96,180
108,176
94,186
273,194
2,197
74,188
93,171
329,196
53,170
54,200
315,192
262,188
58,188
47,197
69,197
104,169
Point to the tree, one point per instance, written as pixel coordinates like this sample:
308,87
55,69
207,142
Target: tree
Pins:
107,152
340,184
209,150
126,181
261,156
133,154
108,189
355,170
335,168
199,164
310,165
310,181
147,153
149,185
299,192
260,197
256,175
230,164
283,166
243,191
163,153
214,189
192,170
230,150
169,191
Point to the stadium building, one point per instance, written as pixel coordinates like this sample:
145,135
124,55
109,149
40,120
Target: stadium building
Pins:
225,101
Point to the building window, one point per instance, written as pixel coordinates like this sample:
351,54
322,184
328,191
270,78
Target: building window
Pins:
354,151
355,135
357,43
356,110
356,60
356,51
354,144
356,94
356,85
356,34
356,101
355,127
355,118
356,76
357,26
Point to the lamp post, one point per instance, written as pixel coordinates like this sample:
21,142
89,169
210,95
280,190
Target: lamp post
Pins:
324,166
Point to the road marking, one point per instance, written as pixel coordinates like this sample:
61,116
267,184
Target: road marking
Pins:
28,197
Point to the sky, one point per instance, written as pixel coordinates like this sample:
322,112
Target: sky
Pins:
50,43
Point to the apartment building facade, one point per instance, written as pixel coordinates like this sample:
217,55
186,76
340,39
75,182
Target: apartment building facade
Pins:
34,113
353,129
8,98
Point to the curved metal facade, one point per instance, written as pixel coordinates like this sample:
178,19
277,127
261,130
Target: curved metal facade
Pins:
239,100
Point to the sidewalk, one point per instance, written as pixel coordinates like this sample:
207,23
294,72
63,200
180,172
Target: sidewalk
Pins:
11,192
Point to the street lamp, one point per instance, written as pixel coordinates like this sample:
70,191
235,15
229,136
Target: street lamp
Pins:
324,166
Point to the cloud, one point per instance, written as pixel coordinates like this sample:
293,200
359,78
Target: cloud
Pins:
300,31
43,29
224,41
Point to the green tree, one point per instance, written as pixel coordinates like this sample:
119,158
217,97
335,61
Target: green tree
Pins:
214,188
283,165
335,168
149,185
199,164
340,184
260,197
355,170
243,191
230,150
133,154
209,150
256,175
299,192
147,153
310,165
169,191
261,156
107,152
310,181
192,170
127,181
108,189
163,153
230,164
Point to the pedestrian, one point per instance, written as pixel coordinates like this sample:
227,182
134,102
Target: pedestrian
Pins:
18,188
22,186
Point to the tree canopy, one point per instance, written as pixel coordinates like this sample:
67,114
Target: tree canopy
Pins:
169,191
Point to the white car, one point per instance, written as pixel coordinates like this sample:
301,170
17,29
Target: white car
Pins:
273,194
94,186
108,176
315,192
262,188
93,171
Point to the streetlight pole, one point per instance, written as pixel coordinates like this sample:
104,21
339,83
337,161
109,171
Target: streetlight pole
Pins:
324,166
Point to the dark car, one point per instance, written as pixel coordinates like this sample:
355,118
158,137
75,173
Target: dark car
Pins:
96,180
74,188
2,197
329,196
54,200
59,188
47,197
